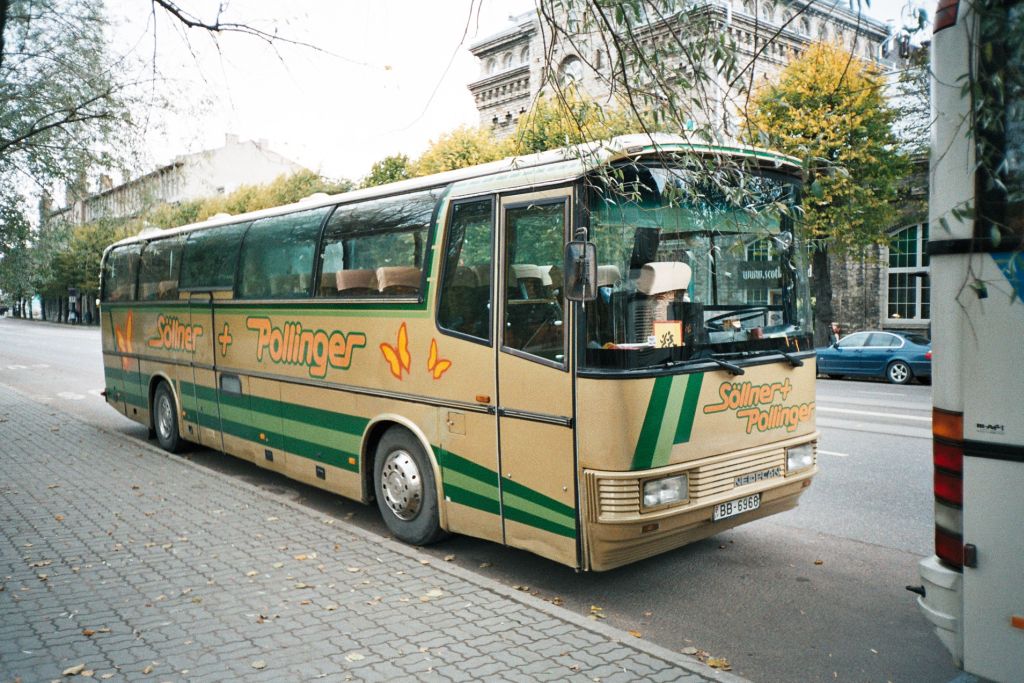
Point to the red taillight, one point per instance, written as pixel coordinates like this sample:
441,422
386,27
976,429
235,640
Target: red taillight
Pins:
945,15
928,354
949,457
949,547
949,488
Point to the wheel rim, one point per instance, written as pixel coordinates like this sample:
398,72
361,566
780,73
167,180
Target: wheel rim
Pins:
401,484
899,372
164,417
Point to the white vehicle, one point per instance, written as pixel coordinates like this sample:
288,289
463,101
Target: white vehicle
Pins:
973,590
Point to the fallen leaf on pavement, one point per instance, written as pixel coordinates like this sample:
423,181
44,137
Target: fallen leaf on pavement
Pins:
449,558
300,558
259,664
819,562
525,589
73,670
148,670
636,634
59,518
689,650
354,657
88,632
719,663
251,573
485,565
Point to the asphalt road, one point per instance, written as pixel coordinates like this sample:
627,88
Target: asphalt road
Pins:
815,594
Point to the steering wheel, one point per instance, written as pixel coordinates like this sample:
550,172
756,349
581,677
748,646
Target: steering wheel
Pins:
715,321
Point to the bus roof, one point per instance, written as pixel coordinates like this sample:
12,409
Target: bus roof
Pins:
563,163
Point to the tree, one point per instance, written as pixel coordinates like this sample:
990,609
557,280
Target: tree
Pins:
459,148
64,107
828,109
390,169
569,118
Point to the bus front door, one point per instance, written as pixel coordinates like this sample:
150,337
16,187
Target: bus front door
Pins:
535,406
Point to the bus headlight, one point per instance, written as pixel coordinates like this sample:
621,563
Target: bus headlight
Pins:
799,457
664,491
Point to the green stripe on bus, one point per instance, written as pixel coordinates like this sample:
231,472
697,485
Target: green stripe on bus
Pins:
514,488
645,445
476,486
312,436
685,428
673,406
539,522
471,499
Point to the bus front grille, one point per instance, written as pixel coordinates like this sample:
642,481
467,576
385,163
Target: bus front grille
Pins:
615,498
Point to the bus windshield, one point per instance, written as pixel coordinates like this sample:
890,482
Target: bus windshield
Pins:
690,269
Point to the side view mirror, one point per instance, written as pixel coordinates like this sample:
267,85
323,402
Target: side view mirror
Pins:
580,269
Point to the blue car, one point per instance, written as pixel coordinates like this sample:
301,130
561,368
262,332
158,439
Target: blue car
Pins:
896,356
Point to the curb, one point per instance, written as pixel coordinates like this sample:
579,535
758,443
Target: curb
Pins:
610,632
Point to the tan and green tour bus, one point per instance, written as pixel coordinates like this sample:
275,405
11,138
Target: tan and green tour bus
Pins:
596,354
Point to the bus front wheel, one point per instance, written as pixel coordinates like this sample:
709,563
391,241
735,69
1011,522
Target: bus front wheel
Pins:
165,422
403,483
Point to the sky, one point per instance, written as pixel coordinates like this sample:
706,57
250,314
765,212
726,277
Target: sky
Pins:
389,75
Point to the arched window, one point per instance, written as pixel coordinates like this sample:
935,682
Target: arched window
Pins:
805,26
492,65
823,32
506,61
571,70
524,56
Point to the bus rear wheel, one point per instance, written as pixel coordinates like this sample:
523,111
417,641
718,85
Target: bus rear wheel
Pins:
165,419
403,483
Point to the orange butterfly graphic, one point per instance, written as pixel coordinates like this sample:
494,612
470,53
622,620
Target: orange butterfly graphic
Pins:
123,338
397,356
436,365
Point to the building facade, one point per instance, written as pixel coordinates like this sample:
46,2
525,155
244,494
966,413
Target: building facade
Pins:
767,36
190,176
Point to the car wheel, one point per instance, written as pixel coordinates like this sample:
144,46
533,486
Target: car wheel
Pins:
165,419
898,372
403,483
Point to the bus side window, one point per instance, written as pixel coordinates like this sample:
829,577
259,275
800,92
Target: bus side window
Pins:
119,273
377,248
465,301
277,256
158,269
211,256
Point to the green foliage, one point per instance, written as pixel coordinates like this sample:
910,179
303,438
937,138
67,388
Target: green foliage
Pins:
390,169
285,189
828,109
570,118
460,148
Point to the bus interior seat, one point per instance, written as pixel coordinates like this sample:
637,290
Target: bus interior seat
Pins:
400,280
529,280
328,284
660,283
357,282
167,289
465,302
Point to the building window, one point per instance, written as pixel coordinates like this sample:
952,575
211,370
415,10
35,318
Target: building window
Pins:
571,71
506,62
524,56
909,288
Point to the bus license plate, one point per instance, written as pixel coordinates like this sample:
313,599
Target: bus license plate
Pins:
736,507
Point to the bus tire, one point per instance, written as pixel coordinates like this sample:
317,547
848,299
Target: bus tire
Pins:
403,484
899,372
165,419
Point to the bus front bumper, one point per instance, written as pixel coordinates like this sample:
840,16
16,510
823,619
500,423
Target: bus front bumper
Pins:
610,545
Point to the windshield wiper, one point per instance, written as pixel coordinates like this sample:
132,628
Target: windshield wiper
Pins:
724,364
793,360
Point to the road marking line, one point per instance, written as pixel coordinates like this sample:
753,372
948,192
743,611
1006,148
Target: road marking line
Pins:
838,455
823,409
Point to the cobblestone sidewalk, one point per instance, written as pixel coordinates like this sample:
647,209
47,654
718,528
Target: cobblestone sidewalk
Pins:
122,563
